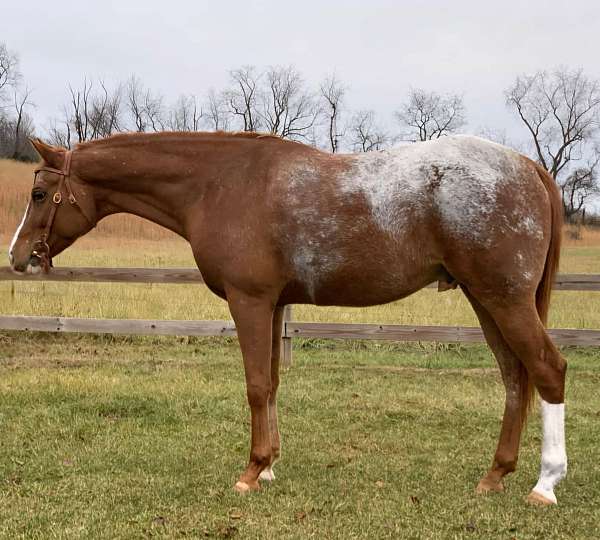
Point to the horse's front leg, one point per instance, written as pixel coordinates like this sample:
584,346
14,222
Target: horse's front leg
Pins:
253,319
267,473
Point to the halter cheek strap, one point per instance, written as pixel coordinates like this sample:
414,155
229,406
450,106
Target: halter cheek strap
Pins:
41,250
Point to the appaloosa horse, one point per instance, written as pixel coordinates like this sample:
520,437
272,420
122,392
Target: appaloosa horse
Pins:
274,222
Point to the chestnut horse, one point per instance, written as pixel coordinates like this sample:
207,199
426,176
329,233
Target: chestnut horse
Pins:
274,222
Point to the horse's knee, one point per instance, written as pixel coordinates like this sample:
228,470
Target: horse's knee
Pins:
274,381
258,394
273,393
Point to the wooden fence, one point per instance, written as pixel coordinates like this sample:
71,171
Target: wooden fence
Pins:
292,329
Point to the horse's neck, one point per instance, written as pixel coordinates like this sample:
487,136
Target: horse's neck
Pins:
125,182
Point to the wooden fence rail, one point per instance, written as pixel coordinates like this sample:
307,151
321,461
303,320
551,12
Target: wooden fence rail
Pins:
564,282
109,275
292,329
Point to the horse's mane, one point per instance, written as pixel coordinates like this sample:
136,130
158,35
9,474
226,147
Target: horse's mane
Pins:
136,138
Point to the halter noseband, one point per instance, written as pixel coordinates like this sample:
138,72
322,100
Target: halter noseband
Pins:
41,250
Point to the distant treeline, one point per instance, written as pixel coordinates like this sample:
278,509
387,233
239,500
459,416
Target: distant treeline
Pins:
559,112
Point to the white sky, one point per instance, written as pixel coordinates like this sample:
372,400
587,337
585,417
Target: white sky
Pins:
378,48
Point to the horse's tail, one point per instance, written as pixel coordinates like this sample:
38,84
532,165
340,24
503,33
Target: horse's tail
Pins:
544,289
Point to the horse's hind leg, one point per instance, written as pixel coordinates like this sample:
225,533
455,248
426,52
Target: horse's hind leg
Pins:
521,327
267,473
515,381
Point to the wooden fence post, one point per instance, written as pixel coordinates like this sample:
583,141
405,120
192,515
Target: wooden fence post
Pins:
286,341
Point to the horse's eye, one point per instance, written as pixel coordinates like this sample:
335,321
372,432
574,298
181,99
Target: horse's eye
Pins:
38,196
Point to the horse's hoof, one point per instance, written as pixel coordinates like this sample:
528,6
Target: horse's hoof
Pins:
267,474
486,486
538,499
244,487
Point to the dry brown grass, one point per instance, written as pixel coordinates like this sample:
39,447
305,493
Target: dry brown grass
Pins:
15,182
578,236
16,179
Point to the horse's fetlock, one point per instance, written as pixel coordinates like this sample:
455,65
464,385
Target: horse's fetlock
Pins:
261,459
506,465
554,464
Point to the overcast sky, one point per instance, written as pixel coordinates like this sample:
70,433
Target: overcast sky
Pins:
377,48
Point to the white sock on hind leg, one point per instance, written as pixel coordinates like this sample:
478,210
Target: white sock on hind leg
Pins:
554,454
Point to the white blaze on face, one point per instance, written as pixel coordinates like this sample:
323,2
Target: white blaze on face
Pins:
16,236
554,454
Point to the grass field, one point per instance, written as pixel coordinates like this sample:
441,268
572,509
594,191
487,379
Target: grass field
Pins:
137,438
106,437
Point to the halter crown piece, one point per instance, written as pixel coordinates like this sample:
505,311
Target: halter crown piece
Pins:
41,250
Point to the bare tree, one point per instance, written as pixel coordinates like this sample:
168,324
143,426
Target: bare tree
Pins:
560,111
185,114
242,98
430,115
59,132
144,108
365,134
496,135
500,136
332,92
217,117
107,111
15,124
23,123
15,130
90,114
93,115
580,186
79,113
9,71
287,108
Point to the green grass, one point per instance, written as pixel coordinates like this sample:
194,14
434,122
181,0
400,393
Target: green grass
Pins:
580,260
107,437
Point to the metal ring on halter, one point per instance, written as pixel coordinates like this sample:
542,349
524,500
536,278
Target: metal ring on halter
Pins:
41,251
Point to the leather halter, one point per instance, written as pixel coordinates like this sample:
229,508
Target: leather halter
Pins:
41,250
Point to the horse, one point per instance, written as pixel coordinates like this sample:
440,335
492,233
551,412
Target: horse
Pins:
274,222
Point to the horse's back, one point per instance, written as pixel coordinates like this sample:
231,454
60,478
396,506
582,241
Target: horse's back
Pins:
369,228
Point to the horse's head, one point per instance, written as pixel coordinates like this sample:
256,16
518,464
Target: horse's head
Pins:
60,210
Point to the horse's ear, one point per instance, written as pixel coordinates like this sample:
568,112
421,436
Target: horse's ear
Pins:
52,155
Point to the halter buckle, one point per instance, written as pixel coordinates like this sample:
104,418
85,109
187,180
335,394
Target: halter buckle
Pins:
42,252
57,198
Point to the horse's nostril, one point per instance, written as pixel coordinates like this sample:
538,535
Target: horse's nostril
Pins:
19,267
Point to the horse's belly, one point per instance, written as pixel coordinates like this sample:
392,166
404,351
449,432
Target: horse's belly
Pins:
368,284
371,296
